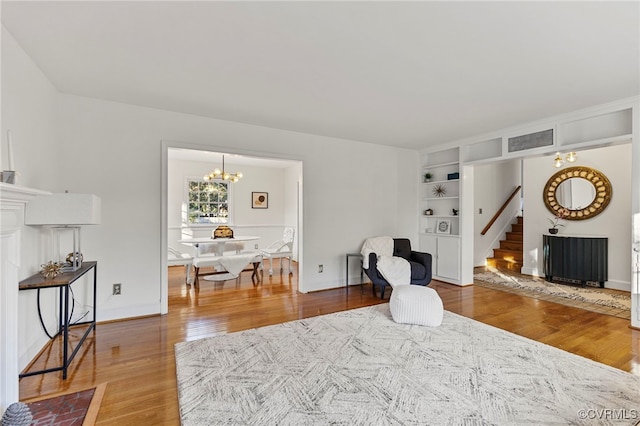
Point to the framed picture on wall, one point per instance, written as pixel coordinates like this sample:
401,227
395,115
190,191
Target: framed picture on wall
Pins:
443,226
259,200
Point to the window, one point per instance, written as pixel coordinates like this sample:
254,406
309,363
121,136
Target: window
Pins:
208,201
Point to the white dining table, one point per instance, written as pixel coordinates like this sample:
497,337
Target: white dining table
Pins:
218,242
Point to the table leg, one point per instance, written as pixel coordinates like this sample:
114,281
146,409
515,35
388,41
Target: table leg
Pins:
65,350
346,278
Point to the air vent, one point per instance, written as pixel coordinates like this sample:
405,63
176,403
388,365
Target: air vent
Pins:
530,141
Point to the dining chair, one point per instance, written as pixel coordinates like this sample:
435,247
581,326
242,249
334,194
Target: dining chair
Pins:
280,249
175,258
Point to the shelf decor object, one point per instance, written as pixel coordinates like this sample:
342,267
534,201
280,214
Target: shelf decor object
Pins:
9,176
64,212
443,226
439,190
50,270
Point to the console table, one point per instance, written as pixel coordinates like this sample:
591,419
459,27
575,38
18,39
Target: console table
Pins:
63,282
576,258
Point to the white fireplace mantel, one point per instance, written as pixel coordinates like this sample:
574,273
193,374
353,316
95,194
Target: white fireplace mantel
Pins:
13,199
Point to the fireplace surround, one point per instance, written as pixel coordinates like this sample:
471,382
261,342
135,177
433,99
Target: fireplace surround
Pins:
13,199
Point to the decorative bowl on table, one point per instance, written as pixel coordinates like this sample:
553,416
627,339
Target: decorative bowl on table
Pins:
222,231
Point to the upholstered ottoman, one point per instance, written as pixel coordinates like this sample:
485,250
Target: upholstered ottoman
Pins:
415,304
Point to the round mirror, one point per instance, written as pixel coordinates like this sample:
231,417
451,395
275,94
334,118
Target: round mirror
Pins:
575,193
583,191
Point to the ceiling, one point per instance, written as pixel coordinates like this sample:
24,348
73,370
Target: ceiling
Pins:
406,74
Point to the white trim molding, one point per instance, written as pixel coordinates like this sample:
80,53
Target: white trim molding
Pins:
13,199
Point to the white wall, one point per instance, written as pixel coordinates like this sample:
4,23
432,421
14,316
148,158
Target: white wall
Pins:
29,102
114,151
493,184
614,222
351,190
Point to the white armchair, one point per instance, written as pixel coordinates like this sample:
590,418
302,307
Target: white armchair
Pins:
282,249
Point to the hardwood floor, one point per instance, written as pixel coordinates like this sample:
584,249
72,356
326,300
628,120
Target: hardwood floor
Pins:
135,358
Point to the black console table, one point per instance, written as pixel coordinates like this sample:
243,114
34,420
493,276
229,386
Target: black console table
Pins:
63,282
576,258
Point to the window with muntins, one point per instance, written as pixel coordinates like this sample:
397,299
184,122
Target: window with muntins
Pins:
208,201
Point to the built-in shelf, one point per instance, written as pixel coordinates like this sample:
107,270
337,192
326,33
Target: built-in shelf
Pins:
431,182
440,198
435,166
444,246
435,234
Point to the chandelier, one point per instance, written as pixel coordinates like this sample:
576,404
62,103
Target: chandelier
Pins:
222,174
559,162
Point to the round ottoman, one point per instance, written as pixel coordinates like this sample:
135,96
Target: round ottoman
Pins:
415,304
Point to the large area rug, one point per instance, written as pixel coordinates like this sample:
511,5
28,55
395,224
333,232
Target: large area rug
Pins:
358,367
533,286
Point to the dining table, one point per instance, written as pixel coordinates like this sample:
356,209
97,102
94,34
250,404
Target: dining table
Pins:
219,243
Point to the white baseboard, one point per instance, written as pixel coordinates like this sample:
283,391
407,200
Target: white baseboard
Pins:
530,271
32,351
128,312
618,285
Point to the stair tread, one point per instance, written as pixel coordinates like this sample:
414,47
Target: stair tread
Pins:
512,254
510,248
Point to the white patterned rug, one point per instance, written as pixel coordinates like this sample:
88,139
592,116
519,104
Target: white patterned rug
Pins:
593,295
358,367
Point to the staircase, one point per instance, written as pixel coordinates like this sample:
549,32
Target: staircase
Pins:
509,255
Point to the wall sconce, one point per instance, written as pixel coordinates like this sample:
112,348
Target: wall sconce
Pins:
64,212
571,157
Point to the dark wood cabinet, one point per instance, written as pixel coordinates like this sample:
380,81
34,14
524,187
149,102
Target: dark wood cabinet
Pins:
580,259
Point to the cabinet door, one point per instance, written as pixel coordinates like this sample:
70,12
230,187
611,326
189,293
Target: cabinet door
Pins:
429,244
448,261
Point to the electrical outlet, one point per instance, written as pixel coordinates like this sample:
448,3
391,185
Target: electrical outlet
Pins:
255,247
117,289
479,211
320,268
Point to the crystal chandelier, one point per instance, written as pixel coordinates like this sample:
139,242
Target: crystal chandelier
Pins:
222,174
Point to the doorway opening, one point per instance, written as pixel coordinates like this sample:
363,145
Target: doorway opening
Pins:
278,178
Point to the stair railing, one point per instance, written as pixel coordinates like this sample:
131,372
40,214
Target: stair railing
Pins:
499,212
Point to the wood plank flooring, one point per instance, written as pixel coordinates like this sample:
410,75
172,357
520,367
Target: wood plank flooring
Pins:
135,358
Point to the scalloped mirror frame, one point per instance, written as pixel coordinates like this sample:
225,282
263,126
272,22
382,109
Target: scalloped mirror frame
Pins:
597,179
